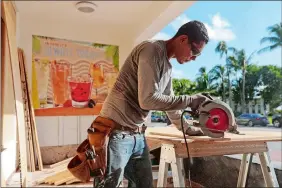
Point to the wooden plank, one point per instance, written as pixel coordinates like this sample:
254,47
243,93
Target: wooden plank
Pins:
61,163
74,180
63,180
153,143
27,113
59,176
50,178
194,138
172,133
69,111
201,149
10,20
32,117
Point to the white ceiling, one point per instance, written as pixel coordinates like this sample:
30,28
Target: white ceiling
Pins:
128,18
110,12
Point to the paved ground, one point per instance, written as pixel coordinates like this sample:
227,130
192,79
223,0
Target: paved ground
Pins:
275,148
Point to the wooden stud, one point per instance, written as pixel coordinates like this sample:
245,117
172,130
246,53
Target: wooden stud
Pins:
27,113
31,112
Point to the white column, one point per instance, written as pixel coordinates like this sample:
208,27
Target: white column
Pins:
238,108
250,106
262,111
256,108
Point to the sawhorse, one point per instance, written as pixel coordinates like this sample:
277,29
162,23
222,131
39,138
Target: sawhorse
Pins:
173,152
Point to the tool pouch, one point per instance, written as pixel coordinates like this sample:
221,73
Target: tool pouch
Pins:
91,158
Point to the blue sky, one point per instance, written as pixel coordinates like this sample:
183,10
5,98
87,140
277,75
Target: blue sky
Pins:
241,24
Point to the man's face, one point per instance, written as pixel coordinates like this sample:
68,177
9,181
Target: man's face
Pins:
186,50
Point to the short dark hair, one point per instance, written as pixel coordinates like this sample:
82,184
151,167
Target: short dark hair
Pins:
195,30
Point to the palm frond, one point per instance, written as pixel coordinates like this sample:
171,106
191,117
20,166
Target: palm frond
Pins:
251,57
233,50
274,28
270,40
221,48
269,48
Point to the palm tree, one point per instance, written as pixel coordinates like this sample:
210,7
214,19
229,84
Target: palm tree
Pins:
111,52
240,62
218,72
223,49
274,38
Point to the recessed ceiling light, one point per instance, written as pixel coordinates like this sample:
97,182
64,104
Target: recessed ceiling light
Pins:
85,6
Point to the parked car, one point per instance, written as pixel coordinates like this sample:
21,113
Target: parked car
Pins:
248,119
157,118
277,120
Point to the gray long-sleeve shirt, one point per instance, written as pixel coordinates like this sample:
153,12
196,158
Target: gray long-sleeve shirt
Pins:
144,83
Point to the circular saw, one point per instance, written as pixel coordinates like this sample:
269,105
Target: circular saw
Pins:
215,118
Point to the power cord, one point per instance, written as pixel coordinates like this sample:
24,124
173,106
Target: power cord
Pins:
188,154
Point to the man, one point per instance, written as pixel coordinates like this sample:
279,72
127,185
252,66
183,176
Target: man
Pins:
144,83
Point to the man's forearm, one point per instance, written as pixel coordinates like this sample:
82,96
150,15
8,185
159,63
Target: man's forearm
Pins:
162,102
175,118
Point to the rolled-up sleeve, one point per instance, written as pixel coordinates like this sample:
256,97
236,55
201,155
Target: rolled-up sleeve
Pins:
149,95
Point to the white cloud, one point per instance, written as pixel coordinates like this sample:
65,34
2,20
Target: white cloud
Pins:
177,73
218,30
219,22
161,36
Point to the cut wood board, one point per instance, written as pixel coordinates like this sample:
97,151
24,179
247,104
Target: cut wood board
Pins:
58,175
173,134
191,138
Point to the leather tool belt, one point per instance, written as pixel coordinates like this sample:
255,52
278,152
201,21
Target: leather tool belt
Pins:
117,126
91,155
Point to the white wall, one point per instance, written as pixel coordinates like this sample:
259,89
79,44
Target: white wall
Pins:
57,131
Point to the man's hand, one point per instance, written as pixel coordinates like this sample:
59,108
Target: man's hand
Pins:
197,100
194,131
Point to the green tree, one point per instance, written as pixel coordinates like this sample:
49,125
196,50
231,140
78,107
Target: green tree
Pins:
240,61
183,86
111,52
270,80
236,91
252,81
202,80
218,75
223,49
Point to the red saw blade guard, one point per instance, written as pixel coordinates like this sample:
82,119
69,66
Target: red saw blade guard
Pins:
218,120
